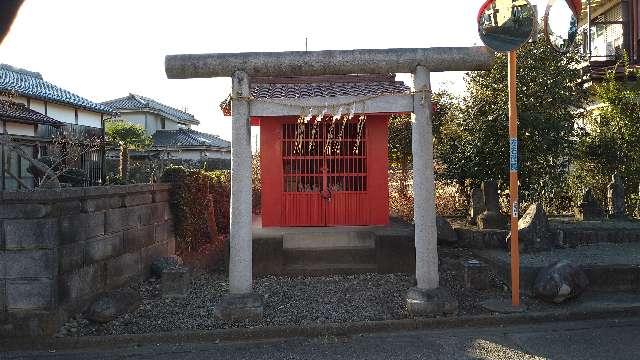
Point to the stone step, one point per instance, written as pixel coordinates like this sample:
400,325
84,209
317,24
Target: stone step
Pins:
329,269
355,255
329,238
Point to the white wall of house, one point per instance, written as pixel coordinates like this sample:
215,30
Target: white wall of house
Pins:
89,118
38,106
215,154
20,129
137,118
169,124
61,113
150,121
153,123
195,154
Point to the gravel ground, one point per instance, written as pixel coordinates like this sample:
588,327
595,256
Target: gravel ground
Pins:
288,301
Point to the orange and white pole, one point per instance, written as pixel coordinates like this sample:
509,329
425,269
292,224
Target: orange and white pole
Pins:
513,180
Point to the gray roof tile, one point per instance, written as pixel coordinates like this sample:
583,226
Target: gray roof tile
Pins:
138,102
296,87
30,84
295,91
11,110
187,138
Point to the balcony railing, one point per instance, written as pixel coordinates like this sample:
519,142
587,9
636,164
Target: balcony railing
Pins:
77,131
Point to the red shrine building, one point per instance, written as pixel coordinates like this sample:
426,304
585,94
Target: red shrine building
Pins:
327,165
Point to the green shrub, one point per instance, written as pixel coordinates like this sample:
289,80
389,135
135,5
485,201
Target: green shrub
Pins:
74,176
114,180
195,196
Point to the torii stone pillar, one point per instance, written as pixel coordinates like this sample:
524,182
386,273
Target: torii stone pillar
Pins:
427,297
241,303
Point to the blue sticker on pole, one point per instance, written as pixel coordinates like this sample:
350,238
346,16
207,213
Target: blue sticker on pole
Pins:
513,154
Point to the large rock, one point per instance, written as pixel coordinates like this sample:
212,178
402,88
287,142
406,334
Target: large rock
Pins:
534,232
110,305
560,281
446,234
163,263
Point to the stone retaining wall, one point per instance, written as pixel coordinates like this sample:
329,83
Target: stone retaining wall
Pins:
591,232
59,248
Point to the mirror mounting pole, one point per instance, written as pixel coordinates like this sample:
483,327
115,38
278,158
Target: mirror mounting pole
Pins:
513,180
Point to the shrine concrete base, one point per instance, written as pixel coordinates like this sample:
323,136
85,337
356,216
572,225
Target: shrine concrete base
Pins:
240,307
431,302
333,250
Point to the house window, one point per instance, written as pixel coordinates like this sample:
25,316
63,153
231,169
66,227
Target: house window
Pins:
162,123
607,34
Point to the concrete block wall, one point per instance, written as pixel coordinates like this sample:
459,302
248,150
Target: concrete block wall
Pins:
59,248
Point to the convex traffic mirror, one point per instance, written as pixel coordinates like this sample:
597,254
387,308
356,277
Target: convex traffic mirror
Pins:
505,25
561,24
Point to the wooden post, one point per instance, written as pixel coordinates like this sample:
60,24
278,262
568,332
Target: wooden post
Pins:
513,180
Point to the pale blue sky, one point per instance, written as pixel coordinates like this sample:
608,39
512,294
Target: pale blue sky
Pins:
103,49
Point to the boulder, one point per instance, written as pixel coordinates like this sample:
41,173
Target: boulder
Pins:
110,305
560,281
162,263
446,234
534,232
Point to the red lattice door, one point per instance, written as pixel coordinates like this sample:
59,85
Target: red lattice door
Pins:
324,176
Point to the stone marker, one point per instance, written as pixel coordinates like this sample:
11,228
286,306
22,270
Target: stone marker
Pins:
534,231
560,281
476,275
446,234
159,265
476,207
491,218
237,307
436,301
589,209
110,305
175,282
615,197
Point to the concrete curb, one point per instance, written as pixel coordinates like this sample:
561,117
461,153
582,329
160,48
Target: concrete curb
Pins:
311,331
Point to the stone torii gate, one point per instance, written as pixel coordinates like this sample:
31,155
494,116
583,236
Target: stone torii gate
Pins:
427,297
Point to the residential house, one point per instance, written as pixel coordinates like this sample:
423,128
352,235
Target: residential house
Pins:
610,29
34,112
173,139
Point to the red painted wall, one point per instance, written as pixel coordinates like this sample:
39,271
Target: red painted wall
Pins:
345,208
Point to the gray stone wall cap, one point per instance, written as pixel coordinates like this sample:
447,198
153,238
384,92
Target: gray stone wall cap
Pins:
42,195
161,186
135,188
102,191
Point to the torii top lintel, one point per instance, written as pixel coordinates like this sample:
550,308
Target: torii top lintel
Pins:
328,62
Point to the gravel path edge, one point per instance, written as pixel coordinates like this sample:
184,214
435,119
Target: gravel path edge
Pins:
311,331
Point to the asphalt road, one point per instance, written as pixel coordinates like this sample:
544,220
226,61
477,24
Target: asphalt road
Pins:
596,339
